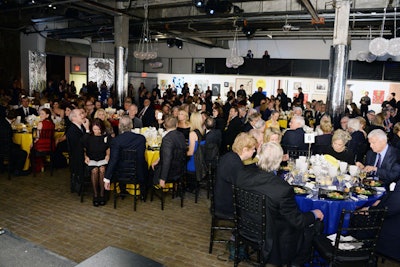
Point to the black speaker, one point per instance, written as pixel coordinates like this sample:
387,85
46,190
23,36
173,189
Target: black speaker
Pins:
199,67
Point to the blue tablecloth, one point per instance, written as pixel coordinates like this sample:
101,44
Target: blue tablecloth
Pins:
332,209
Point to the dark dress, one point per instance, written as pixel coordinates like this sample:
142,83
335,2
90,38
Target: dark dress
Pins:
96,147
346,155
185,131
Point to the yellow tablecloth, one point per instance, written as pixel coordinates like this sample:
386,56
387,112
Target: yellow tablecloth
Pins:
25,141
283,123
151,156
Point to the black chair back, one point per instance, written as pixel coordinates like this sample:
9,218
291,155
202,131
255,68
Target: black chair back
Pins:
250,212
126,171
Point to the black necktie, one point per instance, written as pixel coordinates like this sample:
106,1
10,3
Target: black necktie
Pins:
378,162
26,111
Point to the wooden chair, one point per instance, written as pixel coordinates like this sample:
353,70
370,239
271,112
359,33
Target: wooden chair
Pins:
126,174
250,213
364,227
43,146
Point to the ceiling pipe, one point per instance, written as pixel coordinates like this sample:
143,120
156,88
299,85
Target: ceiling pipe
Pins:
310,8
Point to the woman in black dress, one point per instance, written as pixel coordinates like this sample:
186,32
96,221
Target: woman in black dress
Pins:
97,154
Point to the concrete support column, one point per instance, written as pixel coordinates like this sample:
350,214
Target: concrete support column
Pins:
338,62
121,35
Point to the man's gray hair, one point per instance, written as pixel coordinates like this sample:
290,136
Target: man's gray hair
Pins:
354,124
125,124
378,133
299,119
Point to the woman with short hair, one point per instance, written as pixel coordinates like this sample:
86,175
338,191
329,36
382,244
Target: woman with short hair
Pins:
338,149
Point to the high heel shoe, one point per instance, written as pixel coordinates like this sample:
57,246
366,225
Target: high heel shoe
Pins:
102,201
95,201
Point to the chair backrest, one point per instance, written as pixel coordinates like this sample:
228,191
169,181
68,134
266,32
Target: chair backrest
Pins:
46,140
364,226
126,169
250,212
294,152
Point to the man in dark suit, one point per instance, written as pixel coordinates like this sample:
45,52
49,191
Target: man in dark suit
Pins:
294,136
127,140
383,161
25,110
147,114
171,164
132,111
17,156
77,159
233,128
287,227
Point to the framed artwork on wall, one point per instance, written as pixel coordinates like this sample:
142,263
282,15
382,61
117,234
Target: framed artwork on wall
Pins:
226,84
247,85
216,89
320,87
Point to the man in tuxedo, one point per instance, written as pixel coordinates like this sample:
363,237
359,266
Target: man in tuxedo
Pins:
25,110
77,159
127,140
171,164
8,147
147,114
383,161
132,111
294,136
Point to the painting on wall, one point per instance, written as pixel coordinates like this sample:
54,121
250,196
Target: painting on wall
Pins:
226,84
202,84
247,85
163,84
101,69
37,72
378,96
177,83
296,86
216,89
320,87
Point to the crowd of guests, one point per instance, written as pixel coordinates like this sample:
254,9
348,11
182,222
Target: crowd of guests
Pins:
244,128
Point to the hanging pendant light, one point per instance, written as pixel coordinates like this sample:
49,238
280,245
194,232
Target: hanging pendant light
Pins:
379,46
394,43
234,61
145,49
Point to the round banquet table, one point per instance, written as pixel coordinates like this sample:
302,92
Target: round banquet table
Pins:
24,139
332,208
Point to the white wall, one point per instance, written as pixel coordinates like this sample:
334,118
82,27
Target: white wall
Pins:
270,84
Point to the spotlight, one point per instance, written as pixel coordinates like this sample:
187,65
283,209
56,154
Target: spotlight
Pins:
248,31
199,3
170,42
179,43
217,6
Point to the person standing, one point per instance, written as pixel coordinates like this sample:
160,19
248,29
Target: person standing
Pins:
365,102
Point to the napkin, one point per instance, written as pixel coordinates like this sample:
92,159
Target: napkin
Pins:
345,246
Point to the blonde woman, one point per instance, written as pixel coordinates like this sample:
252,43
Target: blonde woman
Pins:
272,135
338,148
273,120
183,123
101,114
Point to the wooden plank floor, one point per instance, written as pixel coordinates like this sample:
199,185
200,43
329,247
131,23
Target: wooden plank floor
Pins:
42,210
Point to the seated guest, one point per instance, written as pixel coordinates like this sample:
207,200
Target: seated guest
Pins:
25,110
173,147
389,238
183,123
97,153
272,122
252,119
343,122
127,140
294,136
358,144
338,149
8,147
272,135
227,173
43,144
233,128
101,114
132,111
147,114
287,225
383,160
396,136
323,141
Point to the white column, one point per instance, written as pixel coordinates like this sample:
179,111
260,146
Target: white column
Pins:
121,35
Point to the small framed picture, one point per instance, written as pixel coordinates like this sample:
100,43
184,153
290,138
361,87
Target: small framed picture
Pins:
226,84
47,105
